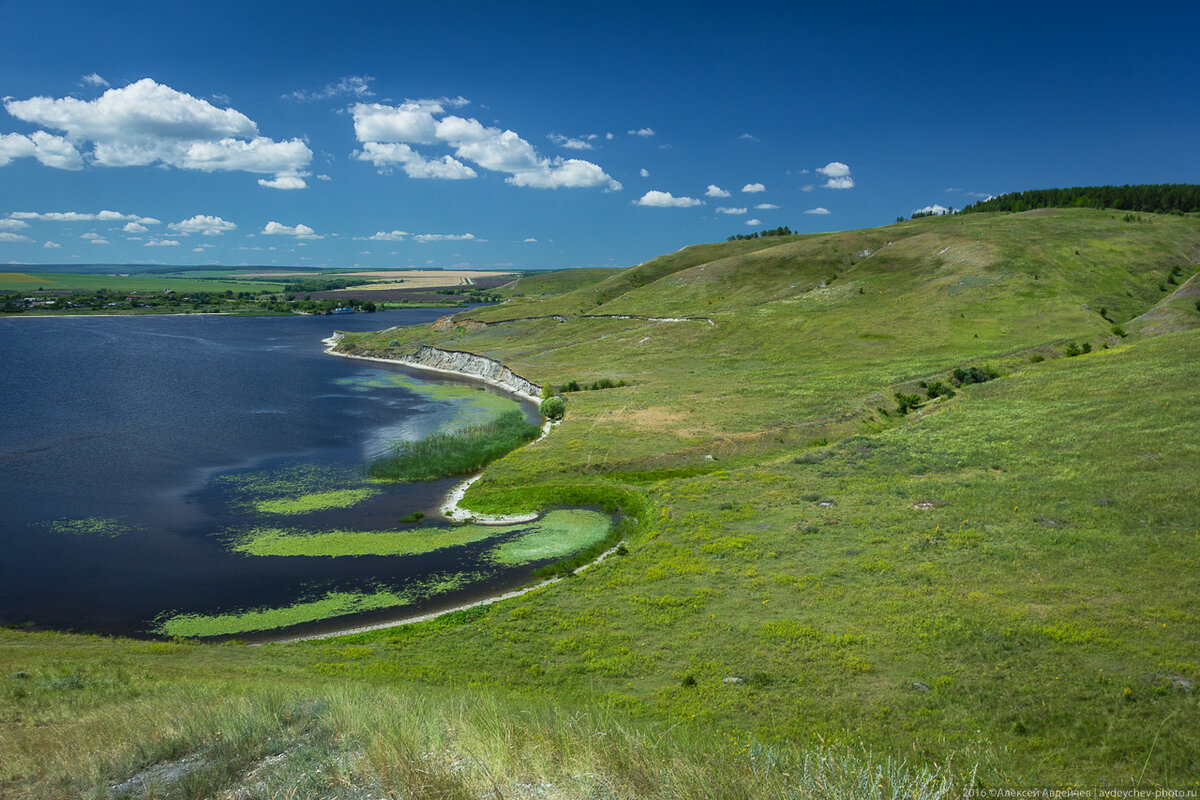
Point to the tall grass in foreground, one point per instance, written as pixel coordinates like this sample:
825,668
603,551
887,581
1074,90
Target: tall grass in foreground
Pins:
457,452
371,742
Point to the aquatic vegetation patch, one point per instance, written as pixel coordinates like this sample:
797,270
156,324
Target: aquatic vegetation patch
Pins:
456,452
556,525
293,480
484,402
567,533
105,527
332,604
291,542
314,501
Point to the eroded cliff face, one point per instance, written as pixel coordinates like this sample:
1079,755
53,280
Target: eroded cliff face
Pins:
472,365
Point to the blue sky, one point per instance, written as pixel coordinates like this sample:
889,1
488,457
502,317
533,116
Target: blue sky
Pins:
532,135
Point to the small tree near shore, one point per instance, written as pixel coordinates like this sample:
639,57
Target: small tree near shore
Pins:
553,407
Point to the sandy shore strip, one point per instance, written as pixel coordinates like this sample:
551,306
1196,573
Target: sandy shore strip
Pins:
452,508
487,601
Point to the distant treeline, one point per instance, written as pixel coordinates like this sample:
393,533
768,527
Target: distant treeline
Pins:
1162,198
782,230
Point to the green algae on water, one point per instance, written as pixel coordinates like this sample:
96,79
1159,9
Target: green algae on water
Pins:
104,527
314,501
333,604
565,526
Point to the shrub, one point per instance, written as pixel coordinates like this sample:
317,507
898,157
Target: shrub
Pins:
963,376
938,389
1119,331
553,407
907,402
569,386
1036,358
1072,350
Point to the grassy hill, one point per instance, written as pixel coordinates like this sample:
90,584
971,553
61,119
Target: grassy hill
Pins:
998,581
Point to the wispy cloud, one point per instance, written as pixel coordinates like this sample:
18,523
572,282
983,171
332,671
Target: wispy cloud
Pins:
641,132
357,86
817,210
724,210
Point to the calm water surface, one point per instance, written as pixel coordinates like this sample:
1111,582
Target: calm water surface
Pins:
127,445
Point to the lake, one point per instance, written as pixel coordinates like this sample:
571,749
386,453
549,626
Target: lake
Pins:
136,452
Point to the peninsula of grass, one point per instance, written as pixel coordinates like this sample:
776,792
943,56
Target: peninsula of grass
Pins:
458,452
560,534
571,529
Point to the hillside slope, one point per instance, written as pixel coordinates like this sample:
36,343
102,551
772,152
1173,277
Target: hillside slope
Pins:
992,574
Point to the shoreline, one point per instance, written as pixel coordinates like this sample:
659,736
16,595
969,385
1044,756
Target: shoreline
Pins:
486,601
451,508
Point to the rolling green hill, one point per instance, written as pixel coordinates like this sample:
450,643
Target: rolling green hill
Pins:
889,508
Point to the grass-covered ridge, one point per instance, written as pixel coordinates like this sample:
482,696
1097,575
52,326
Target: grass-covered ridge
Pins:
457,452
1001,581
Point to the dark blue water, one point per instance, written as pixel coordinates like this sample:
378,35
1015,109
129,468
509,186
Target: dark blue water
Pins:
145,427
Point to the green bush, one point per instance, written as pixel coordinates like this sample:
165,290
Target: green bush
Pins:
1119,331
553,407
938,389
1036,358
907,402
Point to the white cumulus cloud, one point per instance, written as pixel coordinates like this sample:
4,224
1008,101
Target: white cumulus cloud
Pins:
570,143
645,173
148,123
273,228
754,222
834,169
657,199
13,224
817,210
766,206
134,227
753,188
51,245
283,182
723,210
642,132
838,175
9,236
50,150
202,224
715,191
387,133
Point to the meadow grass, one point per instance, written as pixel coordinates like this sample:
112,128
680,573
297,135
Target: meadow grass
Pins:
457,452
999,583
